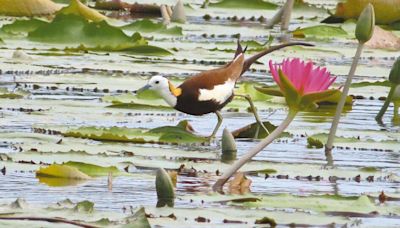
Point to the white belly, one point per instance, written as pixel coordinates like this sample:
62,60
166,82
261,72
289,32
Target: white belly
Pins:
220,93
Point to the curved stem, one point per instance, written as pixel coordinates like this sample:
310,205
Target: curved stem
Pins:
252,152
386,104
339,108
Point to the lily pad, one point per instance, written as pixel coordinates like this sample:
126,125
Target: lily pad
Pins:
148,26
93,170
28,8
168,134
319,31
255,131
61,171
23,26
248,4
77,8
385,12
74,29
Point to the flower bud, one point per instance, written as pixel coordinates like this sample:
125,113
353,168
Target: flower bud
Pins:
365,24
228,146
165,189
394,76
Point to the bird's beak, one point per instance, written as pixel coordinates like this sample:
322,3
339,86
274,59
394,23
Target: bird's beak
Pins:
146,87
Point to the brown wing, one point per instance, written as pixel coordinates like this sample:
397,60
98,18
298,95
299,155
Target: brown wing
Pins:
208,79
188,100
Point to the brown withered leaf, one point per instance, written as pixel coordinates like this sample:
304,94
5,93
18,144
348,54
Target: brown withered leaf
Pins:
240,184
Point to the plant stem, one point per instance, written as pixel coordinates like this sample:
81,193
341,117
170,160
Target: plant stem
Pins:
339,108
286,15
252,152
386,104
396,117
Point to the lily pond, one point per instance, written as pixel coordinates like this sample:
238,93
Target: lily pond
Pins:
77,145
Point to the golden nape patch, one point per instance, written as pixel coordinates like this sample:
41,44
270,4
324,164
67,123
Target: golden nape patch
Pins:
175,91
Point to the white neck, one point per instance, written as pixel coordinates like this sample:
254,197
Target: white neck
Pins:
168,97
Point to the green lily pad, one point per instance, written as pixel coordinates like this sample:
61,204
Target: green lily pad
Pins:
319,31
385,83
168,134
148,26
248,4
323,203
139,219
74,29
61,171
77,8
11,96
135,106
251,130
353,142
23,26
93,170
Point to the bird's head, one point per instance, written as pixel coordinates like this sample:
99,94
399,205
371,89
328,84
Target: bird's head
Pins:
164,88
156,83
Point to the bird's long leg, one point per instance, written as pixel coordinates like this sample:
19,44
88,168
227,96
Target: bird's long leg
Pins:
219,116
253,110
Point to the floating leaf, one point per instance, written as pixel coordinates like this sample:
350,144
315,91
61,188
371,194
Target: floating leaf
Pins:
93,170
240,184
323,203
139,219
11,96
168,134
384,83
147,50
250,131
386,11
28,8
61,171
148,26
84,206
74,29
77,8
135,106
314,143
23,26
248,4
319,31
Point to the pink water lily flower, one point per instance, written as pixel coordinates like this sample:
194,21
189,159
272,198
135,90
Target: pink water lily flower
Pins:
305,77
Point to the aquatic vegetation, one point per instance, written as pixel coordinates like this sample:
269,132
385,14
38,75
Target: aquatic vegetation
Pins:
302,84
364,30
67,110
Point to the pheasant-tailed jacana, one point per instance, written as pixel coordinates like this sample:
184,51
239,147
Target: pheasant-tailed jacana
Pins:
209,91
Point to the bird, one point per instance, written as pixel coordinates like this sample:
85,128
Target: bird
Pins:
211,90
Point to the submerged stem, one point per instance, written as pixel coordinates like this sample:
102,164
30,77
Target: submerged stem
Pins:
339,108
386,104
252,152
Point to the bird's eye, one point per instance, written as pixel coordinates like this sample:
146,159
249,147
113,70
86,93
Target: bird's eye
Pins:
157,82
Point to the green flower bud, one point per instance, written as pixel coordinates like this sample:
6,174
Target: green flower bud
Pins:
228,145
165,189
394,76
365,24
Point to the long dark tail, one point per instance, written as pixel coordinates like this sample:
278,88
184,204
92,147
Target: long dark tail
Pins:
248,62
